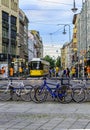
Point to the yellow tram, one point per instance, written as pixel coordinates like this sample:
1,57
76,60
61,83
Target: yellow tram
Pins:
39,67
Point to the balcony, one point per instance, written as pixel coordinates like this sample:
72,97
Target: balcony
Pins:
74,40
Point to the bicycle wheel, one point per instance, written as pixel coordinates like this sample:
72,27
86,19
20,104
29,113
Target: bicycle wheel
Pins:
78,94
61,95
15,96
5,93
68,95
40,94
32,94
25,92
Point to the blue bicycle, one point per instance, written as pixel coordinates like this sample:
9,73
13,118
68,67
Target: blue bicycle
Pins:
62,92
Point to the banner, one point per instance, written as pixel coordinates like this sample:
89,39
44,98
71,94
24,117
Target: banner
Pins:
3,70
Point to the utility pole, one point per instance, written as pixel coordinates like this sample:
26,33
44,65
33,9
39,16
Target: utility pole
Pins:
83,66
9,44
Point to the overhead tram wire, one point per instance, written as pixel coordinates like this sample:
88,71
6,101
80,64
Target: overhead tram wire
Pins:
46,9
44,22
55,2
52,2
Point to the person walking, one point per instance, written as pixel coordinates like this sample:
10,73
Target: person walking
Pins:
67,72
88,71
73,72
20,71
57,71
11,71
50,72
64,73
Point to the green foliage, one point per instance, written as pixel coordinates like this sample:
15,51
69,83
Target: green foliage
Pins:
50,60
58,62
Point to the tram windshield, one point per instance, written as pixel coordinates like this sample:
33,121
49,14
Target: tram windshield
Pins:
36,65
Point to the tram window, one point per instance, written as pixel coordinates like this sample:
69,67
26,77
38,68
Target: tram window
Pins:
36,65
33,65
41,66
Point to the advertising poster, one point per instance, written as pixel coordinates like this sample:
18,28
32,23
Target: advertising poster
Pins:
3,70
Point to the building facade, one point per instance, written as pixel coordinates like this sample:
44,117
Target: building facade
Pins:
9,26
38,45
66,56
31,47
22,38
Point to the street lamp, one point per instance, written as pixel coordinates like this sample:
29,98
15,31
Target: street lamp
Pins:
74,9
64,31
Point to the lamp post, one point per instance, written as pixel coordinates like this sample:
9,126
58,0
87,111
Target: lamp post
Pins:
74,9
9,45
64,31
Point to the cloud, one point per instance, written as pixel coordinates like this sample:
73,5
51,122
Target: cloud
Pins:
44,15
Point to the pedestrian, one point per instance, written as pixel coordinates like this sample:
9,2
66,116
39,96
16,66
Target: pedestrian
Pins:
57,71
53,72
73,72
67,72
20,71
50,72
88,71
11,70
64,73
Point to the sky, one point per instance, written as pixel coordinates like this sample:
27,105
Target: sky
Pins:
49,17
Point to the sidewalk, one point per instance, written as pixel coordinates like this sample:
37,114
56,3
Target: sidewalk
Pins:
46,116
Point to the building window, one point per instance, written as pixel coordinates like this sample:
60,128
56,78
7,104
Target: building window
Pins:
4,32
13,34
5,49
13,49
13,20
5,16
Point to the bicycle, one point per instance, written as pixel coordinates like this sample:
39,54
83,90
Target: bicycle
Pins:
15,90
80,93
62,93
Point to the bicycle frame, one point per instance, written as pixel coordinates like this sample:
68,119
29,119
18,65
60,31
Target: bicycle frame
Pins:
52,93
10,86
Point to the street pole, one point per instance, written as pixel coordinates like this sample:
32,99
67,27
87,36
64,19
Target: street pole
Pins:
83,66
9,44
78,66
69,31
64,32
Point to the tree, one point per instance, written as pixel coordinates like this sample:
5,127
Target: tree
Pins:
58,62
50,60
